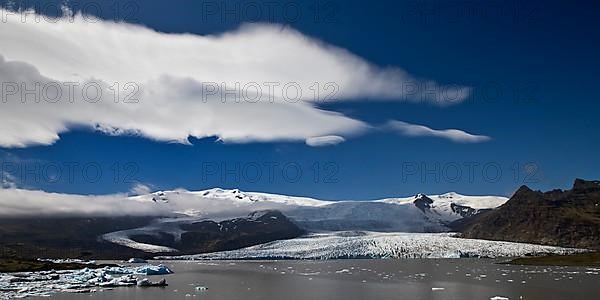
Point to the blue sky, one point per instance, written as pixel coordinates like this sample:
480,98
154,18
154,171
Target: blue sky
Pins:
533,70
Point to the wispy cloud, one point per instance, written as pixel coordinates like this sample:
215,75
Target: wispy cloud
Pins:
321,141
21,202
8,181
175,77
455,135
140,189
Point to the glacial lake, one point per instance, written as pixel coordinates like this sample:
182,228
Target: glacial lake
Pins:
460,279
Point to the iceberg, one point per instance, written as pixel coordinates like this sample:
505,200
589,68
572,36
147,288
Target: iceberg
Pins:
146,282
87,280
154,270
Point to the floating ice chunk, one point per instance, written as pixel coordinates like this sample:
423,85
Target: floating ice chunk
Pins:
309,274
154,270
67,261
45,283
593,269
343,271
146,282
437,288
79,291
137,261
499,298
115,271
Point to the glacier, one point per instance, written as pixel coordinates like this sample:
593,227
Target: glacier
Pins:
364,244
419,213
406,227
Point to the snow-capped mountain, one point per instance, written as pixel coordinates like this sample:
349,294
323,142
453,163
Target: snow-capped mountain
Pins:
416,214
420,213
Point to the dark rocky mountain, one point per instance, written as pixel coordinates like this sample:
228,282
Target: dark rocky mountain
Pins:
466,211
562,218
209,236
422,202
79,237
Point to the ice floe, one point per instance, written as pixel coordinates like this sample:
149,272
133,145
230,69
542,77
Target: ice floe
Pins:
67,261
87,280
137,261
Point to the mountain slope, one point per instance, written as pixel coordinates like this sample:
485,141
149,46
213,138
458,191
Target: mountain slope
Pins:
189,236
564,218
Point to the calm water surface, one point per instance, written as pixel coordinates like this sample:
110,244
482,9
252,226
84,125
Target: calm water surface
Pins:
363,279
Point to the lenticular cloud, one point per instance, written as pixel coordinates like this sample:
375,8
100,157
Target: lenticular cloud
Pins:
455,135
257,83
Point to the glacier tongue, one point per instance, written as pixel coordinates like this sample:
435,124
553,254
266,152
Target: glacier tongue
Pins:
364,244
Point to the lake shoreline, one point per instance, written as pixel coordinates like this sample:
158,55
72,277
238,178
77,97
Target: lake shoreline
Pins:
16,264
590,259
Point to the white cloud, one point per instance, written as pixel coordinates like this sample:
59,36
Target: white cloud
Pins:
140,189
328,140
20,202
174,72
9,181
168,111
28,203
454,135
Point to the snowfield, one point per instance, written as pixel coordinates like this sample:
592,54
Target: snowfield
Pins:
122,238
419,213
391,214
363,244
